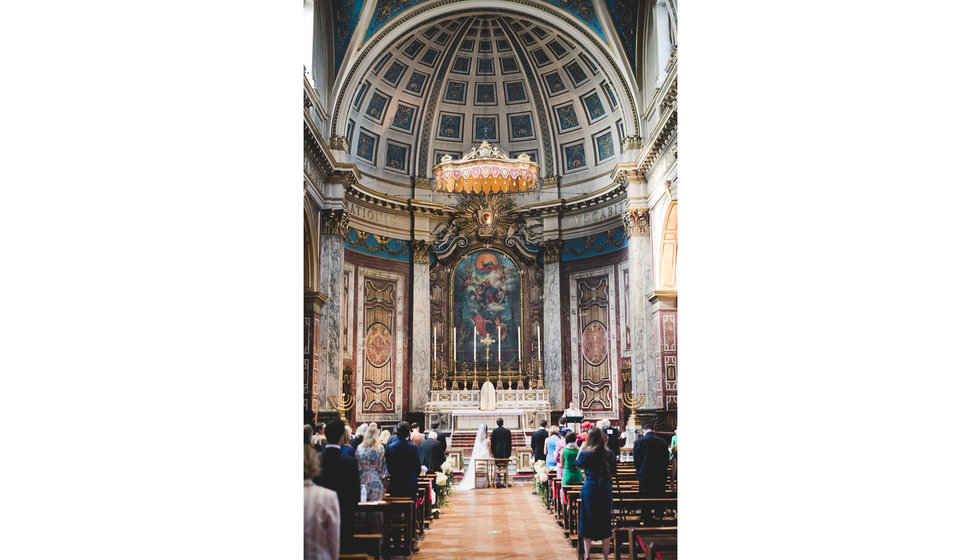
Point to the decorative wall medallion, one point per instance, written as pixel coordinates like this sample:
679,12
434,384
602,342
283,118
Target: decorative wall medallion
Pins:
377,345
594,347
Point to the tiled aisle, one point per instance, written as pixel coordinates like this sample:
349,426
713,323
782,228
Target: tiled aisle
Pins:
467,528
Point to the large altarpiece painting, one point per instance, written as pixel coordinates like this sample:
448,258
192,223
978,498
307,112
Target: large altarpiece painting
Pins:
486,294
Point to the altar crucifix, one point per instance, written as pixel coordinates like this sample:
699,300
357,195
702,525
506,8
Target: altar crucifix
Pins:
488,394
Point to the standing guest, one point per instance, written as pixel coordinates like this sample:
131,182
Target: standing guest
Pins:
308,435
500,444
441,436
416,435
580,438
358,437
650,456
384,437
338,472
318,438
537,441
563,441
612,436
373,469
431,453
404,465
345,445
595,518
550,445
321,513
673,463
563,426
566,460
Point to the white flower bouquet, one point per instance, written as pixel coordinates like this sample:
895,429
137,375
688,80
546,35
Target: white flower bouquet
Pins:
441,479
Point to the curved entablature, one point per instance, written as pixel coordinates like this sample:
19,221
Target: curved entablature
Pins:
442,77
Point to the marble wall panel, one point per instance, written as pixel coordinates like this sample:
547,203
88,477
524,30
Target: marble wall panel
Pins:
331,316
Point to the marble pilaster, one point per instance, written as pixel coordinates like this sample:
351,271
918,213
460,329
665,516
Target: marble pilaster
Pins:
331,315
551,353
645,377
421,336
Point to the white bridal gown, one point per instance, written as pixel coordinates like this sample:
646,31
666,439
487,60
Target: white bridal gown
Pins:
480,451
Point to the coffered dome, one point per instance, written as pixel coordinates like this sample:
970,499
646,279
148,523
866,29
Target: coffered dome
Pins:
461,78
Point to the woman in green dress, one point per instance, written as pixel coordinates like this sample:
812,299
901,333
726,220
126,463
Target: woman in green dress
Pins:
566,460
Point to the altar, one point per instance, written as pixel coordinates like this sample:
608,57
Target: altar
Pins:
521,409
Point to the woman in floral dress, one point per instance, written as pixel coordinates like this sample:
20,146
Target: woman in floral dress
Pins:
371,465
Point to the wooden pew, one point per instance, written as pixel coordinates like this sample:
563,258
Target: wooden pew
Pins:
373,543
627,541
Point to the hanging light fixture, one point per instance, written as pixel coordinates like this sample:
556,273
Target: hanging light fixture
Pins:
485,169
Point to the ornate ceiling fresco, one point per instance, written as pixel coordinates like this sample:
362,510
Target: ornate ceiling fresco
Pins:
459,79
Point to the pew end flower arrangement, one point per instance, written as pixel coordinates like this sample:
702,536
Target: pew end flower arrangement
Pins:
541,481
445,483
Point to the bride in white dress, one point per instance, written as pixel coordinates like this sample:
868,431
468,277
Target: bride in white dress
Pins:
481,450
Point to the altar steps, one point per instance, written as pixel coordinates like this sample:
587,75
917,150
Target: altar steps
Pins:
465,440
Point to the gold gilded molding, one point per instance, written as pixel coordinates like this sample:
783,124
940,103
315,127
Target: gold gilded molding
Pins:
420,251
637,222
551,181
422,182
552,250
335,222
339,143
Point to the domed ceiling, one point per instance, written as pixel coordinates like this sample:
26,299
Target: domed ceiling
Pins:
449,84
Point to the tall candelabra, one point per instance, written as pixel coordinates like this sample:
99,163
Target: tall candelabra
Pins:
633,401
342,403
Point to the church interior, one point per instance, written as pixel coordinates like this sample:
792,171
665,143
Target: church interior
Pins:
490,220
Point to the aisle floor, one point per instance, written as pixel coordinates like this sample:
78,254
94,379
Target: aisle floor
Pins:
495,523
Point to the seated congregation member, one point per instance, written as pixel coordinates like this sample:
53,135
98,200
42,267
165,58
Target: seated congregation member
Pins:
650,456
321,513
404,465
416,435
431,453
537,441
358,437
374,472
550,445
338,472
595,518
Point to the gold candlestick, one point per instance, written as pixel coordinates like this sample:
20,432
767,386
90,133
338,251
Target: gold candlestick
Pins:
520,375
342,403
633,401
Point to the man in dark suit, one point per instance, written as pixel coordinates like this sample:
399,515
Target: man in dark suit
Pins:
431,453
537,441
500,441
441,436
650,457
404,465
338,472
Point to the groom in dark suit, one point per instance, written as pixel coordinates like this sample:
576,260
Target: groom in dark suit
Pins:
500,441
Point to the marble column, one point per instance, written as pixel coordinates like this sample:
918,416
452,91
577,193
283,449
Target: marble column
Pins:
332,233
551,300
646,381
421,326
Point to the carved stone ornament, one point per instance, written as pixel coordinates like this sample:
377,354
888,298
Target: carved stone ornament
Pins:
637,221
549,181
420,251
422,182
633,142
335,222
552,250
338,143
